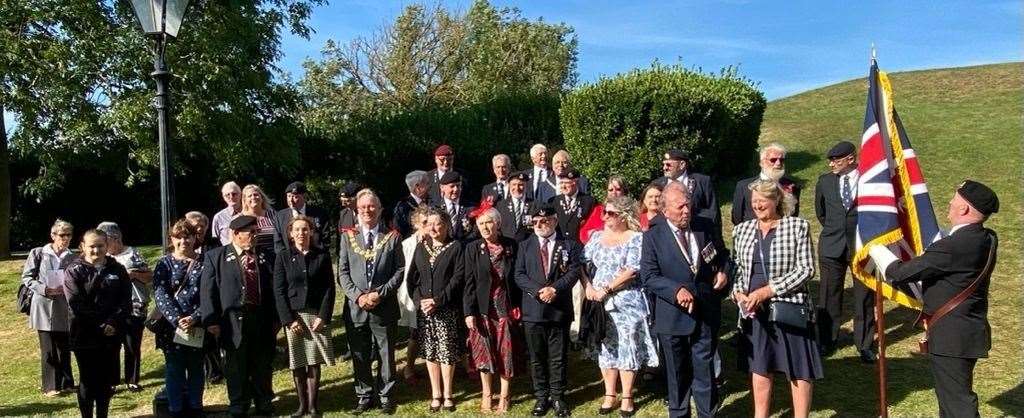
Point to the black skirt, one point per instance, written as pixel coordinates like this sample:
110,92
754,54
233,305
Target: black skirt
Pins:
766,348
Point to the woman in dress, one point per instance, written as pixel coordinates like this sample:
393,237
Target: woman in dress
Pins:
48,311
491,307
256,203
774,262
176,291
595,220
435,282
650,205
304,296
406,306
628,344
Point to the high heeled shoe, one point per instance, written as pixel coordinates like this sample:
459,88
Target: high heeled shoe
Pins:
449,408
607,410
435,409
624,413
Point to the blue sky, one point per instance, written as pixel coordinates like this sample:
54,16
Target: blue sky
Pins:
787,47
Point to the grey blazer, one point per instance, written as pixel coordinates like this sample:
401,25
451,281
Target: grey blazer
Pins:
388,266
47,313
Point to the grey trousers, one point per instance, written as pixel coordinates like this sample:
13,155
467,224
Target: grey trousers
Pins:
373,341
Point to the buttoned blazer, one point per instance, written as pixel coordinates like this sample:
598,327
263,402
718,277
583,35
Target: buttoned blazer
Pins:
838,223
569,222
565,271
222,293
303,281
443,281
476,298
388,268
510,228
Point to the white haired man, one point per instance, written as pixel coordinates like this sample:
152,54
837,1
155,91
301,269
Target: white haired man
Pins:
773,167
418,183
501,165
232,195
541,184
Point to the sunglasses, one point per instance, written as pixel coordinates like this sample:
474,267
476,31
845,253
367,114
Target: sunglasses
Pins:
611,212
777,160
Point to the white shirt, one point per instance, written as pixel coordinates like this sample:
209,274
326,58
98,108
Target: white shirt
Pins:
416,199
450,206
956,228
538,172
368,232
691,240
852,176
299,211
683,178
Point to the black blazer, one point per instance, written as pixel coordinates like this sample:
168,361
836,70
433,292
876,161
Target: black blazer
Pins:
443,282
569,222
838,224
402,214
491,190
741,209
517,229
545,190
434,187
948,266
565,271
702,196
476,299
303,282
321,227
97,297
221,294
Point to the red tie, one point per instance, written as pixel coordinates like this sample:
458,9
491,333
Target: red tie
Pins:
252,278
544,255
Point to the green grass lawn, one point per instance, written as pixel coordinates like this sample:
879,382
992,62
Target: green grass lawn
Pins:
964,123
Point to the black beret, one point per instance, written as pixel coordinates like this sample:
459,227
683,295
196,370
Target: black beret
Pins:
519,175
980,196
296,188
349,189
570,174
842,149
242,222
677,155
543,209
450,177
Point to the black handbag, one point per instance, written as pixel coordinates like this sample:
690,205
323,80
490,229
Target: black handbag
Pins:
795,315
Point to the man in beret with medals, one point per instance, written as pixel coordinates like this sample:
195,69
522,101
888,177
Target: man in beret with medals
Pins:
451,201
515,209
954,274
571,204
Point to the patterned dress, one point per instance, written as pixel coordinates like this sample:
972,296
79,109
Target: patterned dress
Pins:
494,345
440,336
628,343
176,291
263,235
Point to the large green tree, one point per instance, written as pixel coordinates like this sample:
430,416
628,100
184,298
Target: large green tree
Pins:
75,74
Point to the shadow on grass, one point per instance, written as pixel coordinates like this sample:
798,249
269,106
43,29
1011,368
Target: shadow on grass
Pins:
34,408
1011,402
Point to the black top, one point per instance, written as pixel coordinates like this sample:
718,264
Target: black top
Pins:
948,266
511,226
741,209
491,190
402,214
838,224
702,196
321,227
476,298
97,297
303,281
442,280
569,219
222,292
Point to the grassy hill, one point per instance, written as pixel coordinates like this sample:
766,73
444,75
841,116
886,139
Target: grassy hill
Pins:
963,122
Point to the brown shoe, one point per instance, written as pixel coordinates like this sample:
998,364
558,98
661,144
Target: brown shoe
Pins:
51,394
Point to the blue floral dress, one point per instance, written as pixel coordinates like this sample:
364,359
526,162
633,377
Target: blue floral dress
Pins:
628,343
175,299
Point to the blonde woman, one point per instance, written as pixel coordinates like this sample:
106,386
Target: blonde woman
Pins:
255,203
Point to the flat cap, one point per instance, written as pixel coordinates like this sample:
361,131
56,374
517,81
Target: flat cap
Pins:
443,149
296,187
569,174
348,190
519,175
841,149
242,222
980,196
543,209
676,155
450,177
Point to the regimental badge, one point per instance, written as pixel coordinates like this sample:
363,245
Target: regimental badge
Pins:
562,264
709,252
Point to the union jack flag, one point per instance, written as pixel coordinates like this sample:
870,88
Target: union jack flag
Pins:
893,205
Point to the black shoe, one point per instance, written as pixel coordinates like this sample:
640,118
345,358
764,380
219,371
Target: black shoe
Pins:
363,406
346,356
561,408
827,350
387,407
449,408
540,408
605,411
624,413
868,356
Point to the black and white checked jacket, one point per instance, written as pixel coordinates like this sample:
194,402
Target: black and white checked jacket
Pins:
790,259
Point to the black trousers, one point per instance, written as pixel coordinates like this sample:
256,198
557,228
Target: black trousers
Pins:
830,304
132,344
97,375
954,382
213,361
548,343
247,368
55,361
690,371
371,341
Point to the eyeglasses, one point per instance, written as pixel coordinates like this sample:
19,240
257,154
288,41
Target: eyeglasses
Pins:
777,160
64,235
610,213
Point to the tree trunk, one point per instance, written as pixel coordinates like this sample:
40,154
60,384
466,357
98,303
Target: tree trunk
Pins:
5,189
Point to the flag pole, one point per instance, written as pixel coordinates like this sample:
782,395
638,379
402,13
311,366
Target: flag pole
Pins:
883,401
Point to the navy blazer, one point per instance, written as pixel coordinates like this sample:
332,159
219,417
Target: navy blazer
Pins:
321,227
664,270
566,268
303,281
221,295
476,298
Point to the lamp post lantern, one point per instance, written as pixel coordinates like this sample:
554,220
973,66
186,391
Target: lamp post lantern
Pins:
161,19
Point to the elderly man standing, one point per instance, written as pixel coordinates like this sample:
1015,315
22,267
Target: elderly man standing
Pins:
232,195
954,273
295,197
515,210
773,167
501,165
561,164
451,200
540,185
444,162
572,204
677,166
370,267
237,306
417,182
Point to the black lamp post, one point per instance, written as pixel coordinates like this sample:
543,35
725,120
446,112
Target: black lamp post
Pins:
161,19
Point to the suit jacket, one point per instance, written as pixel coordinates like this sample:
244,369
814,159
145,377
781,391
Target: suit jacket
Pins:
544,190
947,267
565,271
322,227
570,221
42,267
664,270
443,281
402,214
97,297
838,224
790,259
491,191
517,229
387,271
434,186
303,281
741,209
702,196
222,293
462,228
476,298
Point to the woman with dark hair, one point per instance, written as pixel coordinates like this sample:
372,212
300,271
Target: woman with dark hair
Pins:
304,291
435,283
176,291
98,291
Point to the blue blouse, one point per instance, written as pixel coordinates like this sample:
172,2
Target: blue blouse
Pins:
168,277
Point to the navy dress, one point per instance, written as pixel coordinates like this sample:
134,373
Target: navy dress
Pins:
769,348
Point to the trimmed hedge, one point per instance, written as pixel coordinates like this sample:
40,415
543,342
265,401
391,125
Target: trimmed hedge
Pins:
622,125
